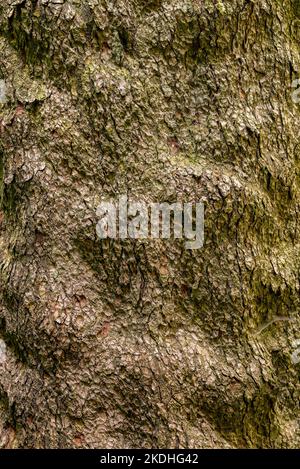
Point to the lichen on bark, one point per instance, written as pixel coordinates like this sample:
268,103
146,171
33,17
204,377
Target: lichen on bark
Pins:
128,343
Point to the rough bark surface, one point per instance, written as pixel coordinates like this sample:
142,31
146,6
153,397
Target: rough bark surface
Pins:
142,343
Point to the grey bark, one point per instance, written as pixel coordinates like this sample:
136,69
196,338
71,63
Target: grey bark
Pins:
128,343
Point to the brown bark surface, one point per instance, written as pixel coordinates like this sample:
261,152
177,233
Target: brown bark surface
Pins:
143,343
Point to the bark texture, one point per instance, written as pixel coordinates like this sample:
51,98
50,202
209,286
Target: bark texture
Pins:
142,343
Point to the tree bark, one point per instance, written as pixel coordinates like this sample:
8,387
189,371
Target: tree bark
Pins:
143,343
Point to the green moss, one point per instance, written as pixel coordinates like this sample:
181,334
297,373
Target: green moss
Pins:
296,7
259,424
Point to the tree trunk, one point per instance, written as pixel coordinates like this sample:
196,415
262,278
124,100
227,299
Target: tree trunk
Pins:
143,343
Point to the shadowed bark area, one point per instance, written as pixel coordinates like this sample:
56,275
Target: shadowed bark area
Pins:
143,343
